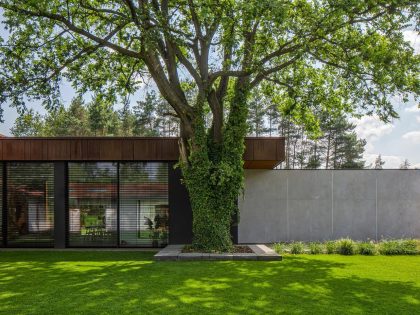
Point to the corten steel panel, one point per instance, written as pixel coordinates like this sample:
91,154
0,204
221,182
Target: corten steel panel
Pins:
76,150
38,150
168,149
13,150
58,150
281,154
259,152
1,149
249,149
260,164
91,150
110,150
265,149
127,150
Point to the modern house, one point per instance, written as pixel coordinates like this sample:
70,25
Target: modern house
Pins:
102,192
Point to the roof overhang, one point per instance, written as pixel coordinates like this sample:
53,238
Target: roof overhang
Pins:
260,152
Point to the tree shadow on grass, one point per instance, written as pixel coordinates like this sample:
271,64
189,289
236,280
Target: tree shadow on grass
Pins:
132,283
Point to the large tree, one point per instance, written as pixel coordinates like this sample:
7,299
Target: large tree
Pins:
340,55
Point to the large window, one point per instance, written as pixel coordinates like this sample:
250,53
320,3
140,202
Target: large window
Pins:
144,210
30,202
92,204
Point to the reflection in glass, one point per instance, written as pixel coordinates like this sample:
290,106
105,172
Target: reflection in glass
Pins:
92,204
30,193
144,210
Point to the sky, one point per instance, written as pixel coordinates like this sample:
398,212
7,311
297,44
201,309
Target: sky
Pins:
395,141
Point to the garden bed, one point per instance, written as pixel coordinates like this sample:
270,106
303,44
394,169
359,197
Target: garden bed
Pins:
347,246
241,252
235,249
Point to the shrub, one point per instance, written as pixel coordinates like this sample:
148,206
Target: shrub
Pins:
330,247
398,247
278,248
315,248
366,248
296,248
346,246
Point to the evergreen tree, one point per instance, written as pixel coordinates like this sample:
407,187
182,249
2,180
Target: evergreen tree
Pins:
379,163
405,165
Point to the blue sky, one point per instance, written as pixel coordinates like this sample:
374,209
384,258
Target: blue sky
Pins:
395,141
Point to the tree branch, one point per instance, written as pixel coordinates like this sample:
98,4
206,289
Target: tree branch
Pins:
74,28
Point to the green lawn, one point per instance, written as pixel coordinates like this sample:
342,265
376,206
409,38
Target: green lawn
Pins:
132,283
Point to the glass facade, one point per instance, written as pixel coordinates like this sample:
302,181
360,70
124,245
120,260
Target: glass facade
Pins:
30,204
92,204
105,204
144,209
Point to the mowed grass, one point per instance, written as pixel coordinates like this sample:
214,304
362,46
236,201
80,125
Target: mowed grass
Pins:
36,282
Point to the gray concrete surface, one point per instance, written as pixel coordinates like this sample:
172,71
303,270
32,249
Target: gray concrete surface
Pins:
318,205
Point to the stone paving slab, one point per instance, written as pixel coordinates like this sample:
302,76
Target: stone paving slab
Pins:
174,252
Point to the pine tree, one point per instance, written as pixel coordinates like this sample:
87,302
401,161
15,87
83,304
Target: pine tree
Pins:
405,165
379,163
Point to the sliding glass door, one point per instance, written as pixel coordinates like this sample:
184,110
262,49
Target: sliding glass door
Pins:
144,210
92,204
30,204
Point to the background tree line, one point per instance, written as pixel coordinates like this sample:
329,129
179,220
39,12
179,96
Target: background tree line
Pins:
335,147
149,117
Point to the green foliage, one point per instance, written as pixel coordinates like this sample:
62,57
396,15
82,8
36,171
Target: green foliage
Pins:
345,246
349,247
331,247
279,248
315,248
297,248
398,247
366,248
99,119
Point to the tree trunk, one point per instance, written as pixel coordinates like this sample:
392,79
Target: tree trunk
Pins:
213,174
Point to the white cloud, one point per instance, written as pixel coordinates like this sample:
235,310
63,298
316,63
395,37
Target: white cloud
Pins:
372,128
412,136
418,119
413,109
413,38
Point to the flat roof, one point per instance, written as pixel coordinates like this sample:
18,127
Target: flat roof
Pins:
260,152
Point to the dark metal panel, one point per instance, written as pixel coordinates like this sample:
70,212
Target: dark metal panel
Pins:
180,213
60,204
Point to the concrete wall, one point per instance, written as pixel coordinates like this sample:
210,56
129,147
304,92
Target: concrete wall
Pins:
312,205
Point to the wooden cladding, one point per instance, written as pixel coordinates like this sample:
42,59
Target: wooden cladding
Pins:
269,151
